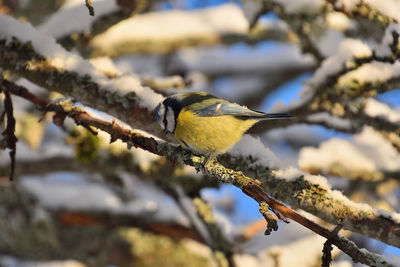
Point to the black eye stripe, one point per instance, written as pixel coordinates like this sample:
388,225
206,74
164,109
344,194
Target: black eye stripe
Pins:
174,104
165,117
172,107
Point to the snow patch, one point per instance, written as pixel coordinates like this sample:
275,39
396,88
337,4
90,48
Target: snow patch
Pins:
252,146
372,72
60,23
174,25
332,121
60,58
375,108
292,173
368,151
301,6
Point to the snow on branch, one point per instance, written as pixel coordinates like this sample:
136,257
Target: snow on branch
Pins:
37,57
336,87
285,58
298,189
383,12
166,31
350,158
375,109
77,17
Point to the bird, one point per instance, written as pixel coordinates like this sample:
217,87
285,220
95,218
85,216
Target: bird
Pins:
206,124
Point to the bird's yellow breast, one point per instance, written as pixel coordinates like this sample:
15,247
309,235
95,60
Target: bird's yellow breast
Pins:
209,134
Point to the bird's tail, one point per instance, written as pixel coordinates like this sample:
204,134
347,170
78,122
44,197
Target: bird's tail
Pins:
269,116
272,116
257,115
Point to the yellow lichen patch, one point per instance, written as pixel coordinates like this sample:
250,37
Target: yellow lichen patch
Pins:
144,247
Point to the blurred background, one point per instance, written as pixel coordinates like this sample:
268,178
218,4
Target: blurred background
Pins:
79,201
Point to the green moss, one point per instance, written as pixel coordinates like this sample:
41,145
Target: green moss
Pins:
221,259
372,14
272,224
339,170
156,250
204,210
131,96
163,148
122,100
226,175
109,98
27,236
86,146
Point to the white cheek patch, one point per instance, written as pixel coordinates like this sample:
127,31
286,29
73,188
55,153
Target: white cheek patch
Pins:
170,127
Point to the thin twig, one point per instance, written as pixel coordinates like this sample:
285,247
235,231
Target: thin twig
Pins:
327,250
256,192
10,140
89,5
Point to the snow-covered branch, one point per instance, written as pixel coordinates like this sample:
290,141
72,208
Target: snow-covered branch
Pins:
342,56
310,193
166,31
37,57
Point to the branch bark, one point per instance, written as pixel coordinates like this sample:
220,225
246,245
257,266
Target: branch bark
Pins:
298,193
24,61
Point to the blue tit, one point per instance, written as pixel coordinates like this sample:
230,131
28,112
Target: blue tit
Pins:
207,124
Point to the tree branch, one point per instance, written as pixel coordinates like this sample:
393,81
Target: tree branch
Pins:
298,192
348,247
24,61
363,10
89,5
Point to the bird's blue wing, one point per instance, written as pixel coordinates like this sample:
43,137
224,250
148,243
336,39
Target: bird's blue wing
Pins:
227,108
